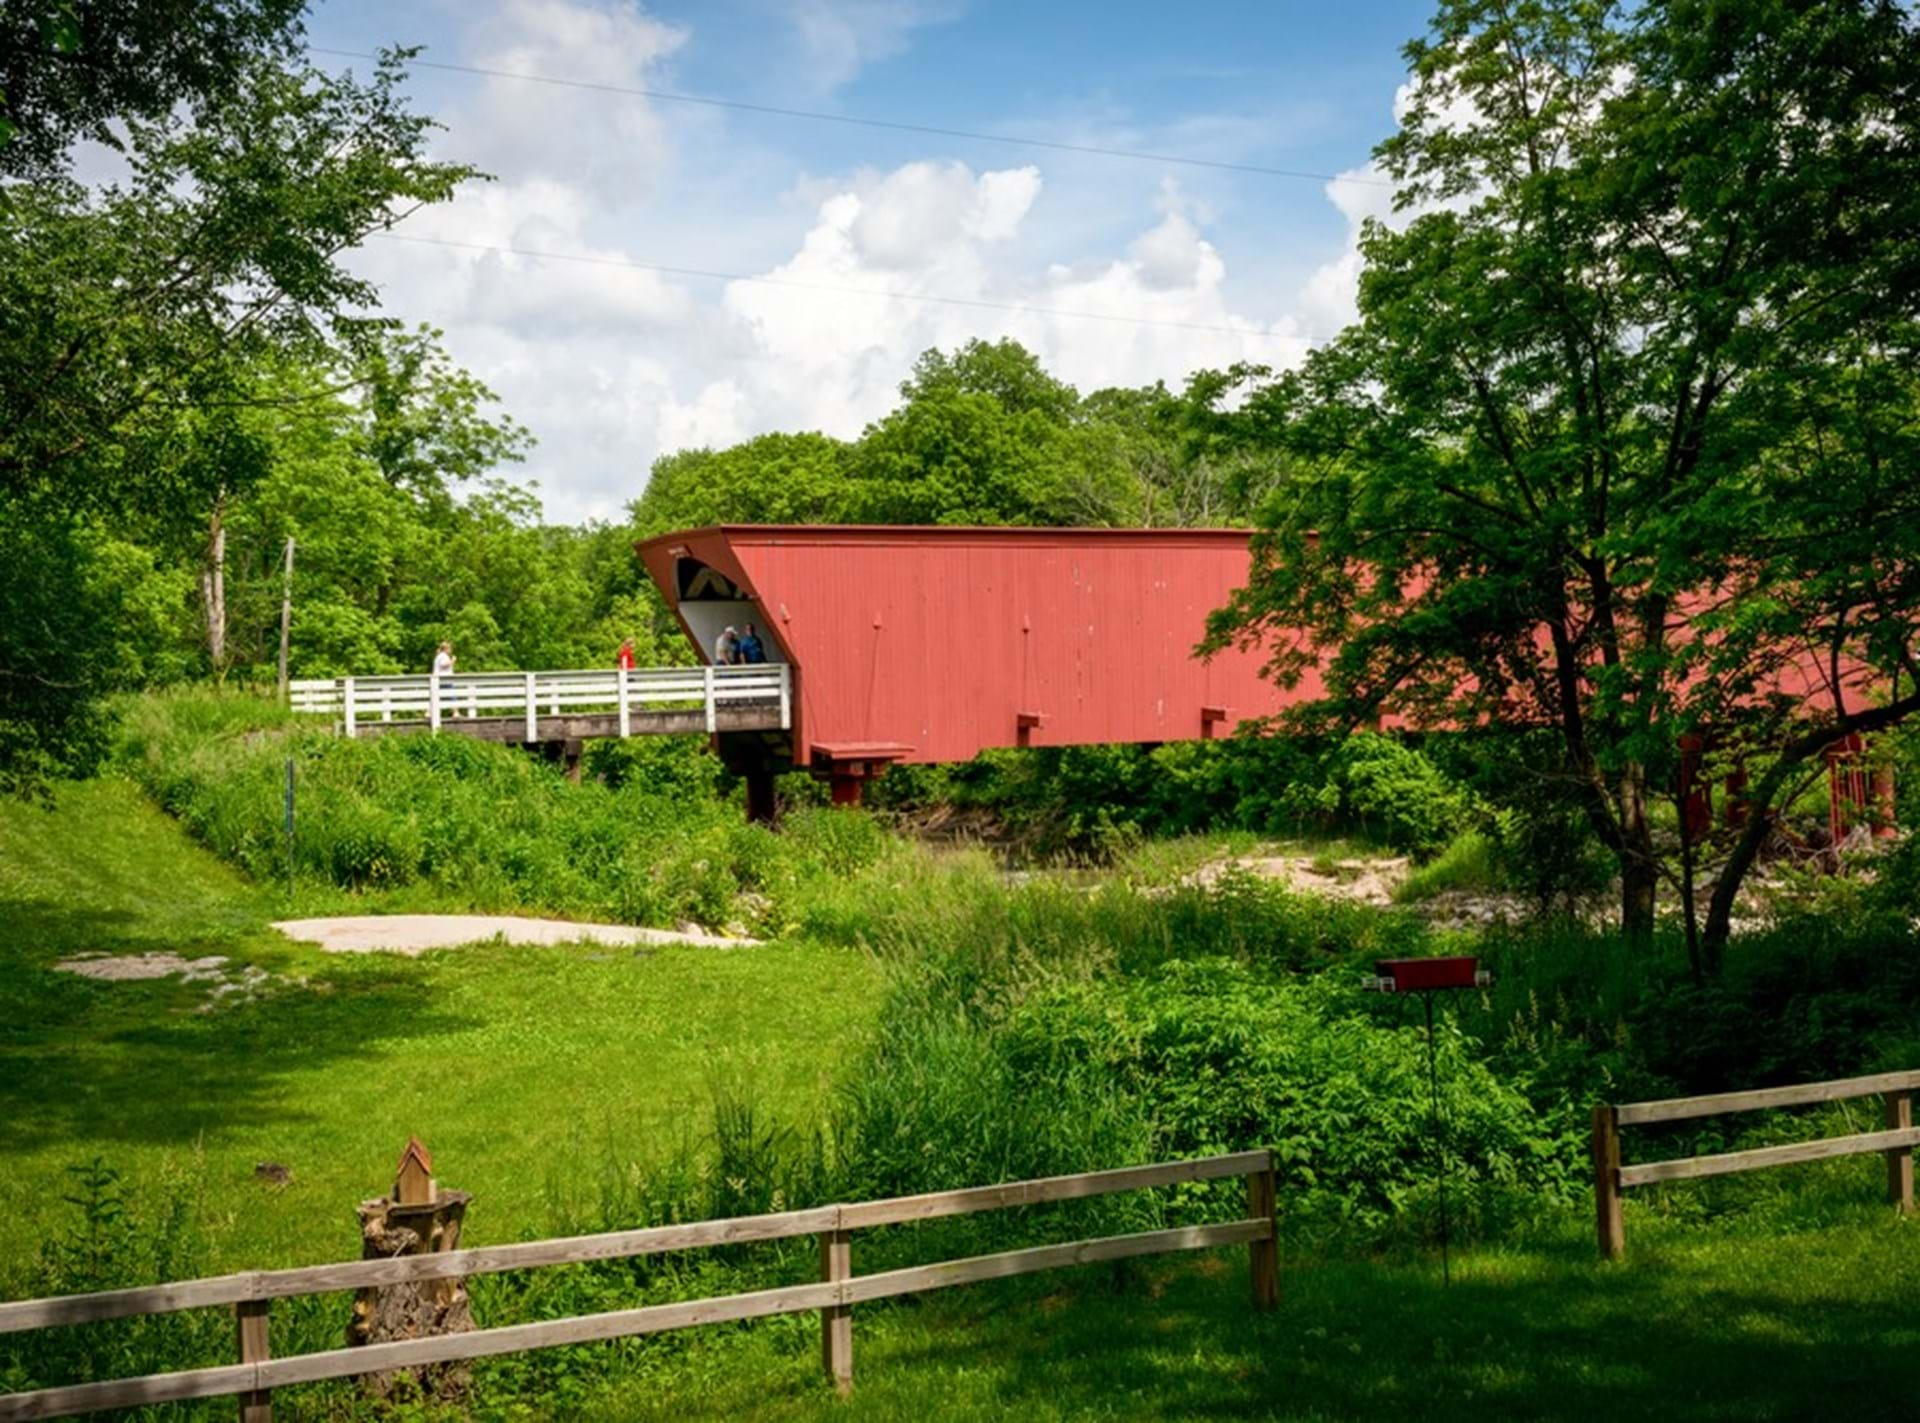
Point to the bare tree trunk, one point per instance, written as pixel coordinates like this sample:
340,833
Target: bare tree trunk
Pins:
213,588
286,614
1639,868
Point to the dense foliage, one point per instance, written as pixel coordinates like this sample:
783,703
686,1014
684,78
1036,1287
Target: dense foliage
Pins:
1622,442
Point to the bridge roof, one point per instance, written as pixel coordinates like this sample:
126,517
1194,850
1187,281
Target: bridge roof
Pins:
938,642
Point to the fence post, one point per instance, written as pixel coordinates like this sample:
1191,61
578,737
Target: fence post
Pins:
836,1320
250,1321
533,713
786,696
1900,1159
626,722
706,687
346,700
433,701
1610,1226
1263,1256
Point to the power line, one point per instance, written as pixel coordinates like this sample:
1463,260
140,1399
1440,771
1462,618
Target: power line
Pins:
882,293
668,96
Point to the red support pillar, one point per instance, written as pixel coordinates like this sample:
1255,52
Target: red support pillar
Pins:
845,789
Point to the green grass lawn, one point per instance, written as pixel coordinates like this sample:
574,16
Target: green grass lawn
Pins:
1700,1323
522,1068
537,1074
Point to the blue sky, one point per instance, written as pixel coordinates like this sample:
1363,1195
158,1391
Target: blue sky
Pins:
613,366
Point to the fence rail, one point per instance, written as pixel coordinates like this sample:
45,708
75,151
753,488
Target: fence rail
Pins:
1610,1178
372,703
834,1296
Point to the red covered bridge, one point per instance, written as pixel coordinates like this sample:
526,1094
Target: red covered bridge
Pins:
931,644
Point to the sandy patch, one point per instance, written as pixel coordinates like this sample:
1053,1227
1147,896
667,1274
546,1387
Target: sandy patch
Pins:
1364,880
412,934
122,968
225,983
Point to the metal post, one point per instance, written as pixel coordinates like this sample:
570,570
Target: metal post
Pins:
289,829
626,722
1439,1142
707,690
346,686
433,701
533,713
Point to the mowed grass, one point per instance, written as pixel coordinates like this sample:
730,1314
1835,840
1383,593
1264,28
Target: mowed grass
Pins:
1699,1323
520,1067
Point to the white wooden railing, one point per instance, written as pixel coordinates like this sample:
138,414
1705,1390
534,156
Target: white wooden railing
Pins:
610,691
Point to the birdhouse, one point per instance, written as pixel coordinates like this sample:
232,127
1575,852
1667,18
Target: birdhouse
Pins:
413,1177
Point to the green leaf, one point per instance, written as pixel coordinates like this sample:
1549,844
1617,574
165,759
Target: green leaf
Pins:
65,31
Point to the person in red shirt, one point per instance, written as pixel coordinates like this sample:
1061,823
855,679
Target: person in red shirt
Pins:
626,654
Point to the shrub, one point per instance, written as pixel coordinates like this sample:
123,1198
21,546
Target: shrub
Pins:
482,825
1392,793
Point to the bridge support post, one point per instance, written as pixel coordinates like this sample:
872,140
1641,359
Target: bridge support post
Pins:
761,805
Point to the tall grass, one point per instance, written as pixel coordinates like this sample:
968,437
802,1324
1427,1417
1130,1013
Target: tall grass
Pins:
461,823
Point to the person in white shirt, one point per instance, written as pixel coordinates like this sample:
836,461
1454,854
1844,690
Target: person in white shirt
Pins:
443,660
725,647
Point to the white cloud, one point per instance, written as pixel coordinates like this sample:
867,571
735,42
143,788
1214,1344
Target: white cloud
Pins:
1330,299
612,366
839,38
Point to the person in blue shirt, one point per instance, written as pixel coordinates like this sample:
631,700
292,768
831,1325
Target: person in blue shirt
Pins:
751,649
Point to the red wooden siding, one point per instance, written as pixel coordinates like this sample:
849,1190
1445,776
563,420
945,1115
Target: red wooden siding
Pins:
937,641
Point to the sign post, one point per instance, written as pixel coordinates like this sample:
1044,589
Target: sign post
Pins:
1427,977
289,800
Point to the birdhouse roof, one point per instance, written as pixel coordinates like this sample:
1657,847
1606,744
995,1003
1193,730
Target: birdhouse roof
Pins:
416,1151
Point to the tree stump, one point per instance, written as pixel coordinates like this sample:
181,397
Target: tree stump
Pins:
412,1311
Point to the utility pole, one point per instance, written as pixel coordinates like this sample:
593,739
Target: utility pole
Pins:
286,613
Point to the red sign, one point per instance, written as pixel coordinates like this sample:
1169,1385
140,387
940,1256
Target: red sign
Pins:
1423,975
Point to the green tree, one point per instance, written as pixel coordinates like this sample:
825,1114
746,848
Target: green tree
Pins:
772,479
73,69
135,321
986,436
1550,476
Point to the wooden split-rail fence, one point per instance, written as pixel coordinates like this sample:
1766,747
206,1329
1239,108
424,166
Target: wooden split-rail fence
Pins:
1610,1178
838,1290
557,706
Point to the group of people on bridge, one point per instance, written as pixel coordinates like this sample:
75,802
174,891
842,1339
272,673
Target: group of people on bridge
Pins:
732,648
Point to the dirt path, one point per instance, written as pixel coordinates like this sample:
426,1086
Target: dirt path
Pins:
412,934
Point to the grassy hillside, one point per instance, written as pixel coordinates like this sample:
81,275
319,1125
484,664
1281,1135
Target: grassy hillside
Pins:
517,1066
